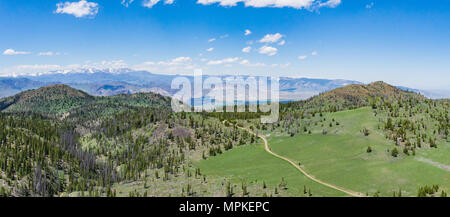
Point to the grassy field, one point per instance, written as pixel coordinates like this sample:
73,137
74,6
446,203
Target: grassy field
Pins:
252,164
340,157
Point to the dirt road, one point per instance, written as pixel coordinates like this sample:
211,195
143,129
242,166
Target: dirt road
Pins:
268,150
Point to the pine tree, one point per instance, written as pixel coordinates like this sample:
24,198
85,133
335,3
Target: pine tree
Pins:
394,152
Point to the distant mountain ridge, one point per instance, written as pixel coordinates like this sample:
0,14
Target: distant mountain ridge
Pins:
10,86
109,82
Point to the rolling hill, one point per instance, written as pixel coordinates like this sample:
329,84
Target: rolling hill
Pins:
60,99
50,99
354,96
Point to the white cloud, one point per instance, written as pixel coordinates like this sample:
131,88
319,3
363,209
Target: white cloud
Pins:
285,65
302,57
247,49
33,70
48,53
39,67
182,59
271,38
28,70
248,63
151,3
270,51
179,65
369,5
13,52
223,61
247,32
329,3
126,3
78,9
244,62
210,49
297,4
221,2
173,62
314,53
176,61
113,64
220,37
282,43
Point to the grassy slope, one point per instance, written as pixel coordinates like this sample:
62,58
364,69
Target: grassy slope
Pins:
340,157
252,163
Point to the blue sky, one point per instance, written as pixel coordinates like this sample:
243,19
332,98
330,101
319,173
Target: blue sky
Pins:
403,42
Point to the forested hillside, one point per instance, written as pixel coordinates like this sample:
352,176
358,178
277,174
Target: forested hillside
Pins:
58,141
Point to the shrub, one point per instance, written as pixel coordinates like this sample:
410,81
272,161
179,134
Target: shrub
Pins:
365,131
394,152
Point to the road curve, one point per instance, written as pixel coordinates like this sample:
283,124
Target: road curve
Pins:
266,145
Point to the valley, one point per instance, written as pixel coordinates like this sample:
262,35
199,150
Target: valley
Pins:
357,140
110,82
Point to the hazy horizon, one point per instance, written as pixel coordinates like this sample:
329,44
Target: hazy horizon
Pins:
404,43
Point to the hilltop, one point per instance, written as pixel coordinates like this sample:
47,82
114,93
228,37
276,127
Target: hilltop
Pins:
50,99
59,99
375,89
355,96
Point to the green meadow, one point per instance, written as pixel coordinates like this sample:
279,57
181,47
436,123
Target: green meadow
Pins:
339,157
253,165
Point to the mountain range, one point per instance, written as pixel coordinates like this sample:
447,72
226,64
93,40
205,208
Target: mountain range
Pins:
109,82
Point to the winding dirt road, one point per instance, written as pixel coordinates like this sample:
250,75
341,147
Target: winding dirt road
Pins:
266,145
